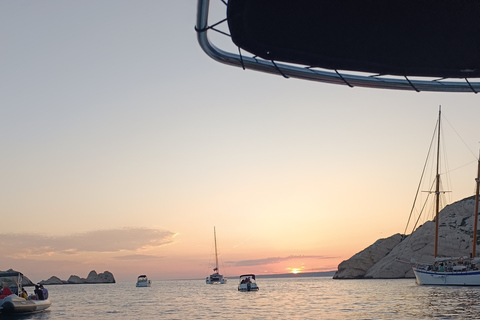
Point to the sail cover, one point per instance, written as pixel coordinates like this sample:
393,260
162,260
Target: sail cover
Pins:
430,38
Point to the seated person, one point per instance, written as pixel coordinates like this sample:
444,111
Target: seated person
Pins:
45,292
39,293
23,294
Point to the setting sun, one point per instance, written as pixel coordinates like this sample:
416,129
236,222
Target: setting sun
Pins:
294,270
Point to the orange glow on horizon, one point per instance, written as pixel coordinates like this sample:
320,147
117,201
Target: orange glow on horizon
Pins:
295,270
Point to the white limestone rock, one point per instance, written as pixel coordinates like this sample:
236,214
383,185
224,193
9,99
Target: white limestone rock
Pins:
93,277
105,277
455,240
76,280
358,265
53,280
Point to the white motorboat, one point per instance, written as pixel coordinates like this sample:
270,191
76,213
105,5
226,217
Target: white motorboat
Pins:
216,277
143,281
11,301
247,282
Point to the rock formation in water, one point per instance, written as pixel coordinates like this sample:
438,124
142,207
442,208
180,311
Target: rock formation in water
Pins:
390,258
93,277
53,280
105,277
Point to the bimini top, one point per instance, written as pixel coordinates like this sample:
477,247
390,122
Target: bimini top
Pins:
8,274
427,38
421,45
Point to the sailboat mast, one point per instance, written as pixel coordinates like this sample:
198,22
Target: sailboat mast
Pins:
437,185
477,180
216,255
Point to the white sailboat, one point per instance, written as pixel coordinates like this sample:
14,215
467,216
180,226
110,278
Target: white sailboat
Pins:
450,271
216,277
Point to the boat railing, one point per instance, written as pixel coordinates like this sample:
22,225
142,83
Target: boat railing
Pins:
286,70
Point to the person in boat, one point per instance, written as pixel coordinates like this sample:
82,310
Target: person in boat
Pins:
23,294
38,293
45,292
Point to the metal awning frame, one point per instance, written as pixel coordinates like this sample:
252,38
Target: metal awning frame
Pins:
316,74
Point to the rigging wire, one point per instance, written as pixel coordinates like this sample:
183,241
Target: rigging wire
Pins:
463,141
421,179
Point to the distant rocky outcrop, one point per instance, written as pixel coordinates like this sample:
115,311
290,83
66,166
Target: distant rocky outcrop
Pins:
390,258
53,280
93,277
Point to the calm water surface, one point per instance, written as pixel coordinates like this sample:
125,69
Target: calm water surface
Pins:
280,298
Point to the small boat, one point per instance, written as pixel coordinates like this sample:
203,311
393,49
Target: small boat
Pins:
216,277
143,281
11,302
450,271
247,282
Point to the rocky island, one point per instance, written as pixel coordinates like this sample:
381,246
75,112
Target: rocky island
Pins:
93,277
391,258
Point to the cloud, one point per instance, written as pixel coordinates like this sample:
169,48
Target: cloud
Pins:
134,257
100,241
259,262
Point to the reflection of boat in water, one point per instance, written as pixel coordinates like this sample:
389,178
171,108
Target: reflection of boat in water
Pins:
143,281
11,302
215,277
247,283
450,271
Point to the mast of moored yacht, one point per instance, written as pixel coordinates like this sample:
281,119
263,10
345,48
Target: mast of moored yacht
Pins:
437,185
477,180
216,256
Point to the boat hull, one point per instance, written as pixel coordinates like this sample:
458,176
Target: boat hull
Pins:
144,284
248,287
216,279
463,278
14,304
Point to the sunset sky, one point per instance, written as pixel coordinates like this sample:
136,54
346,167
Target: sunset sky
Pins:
123,144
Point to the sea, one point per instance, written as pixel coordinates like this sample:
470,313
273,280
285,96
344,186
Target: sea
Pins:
278,298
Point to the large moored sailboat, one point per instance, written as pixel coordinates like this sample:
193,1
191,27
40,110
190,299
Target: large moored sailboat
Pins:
452,271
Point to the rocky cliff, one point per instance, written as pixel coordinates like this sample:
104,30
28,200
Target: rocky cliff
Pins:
93,277
390,258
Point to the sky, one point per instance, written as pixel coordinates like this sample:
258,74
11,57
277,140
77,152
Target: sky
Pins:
123,145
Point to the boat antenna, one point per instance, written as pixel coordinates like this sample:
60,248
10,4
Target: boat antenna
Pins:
477,180
437,184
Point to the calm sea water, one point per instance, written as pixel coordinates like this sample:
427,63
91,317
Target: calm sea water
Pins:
279,298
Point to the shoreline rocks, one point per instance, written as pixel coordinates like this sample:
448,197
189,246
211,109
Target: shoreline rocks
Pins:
92,278
392,258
